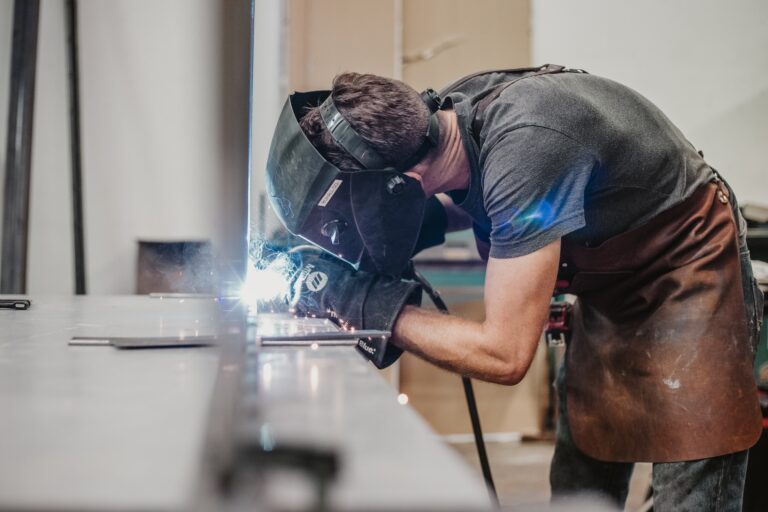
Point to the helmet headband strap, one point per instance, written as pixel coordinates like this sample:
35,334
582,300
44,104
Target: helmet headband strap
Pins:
357,147
347,137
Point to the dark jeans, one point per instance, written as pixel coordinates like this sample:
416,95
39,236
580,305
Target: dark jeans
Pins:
715,484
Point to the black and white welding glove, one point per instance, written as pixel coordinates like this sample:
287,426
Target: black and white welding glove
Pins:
325,286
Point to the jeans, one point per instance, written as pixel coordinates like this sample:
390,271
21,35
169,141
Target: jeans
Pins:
753,295
715,484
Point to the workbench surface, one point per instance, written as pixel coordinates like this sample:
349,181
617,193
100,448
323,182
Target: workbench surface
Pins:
94,427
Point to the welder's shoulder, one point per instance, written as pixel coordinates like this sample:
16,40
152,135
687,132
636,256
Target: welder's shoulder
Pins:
565,102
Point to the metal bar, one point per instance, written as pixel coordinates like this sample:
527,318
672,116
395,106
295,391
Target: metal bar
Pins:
13,264
74,135
327,335
142,342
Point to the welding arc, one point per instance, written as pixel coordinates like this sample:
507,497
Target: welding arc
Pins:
469,393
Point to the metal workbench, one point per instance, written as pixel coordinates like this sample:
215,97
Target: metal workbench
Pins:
101,428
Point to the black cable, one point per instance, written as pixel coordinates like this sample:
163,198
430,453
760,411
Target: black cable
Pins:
469,393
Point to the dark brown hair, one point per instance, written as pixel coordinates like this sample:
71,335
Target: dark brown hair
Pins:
387,113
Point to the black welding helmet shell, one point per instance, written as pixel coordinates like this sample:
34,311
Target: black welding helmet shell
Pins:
371,215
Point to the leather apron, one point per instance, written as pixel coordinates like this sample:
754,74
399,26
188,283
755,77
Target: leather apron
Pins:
659,366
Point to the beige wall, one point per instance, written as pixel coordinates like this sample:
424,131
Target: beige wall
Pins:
327,37
462,38
164,129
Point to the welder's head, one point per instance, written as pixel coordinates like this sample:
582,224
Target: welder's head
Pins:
335,173
389,114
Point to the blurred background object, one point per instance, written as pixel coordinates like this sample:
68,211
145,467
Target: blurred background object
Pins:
175,267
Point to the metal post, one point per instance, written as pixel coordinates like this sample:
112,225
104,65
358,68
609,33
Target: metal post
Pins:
74,131
13,266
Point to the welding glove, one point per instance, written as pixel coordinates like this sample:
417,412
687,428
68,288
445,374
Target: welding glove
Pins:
327,287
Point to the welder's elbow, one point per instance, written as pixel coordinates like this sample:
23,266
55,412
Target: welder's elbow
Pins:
513,369
511,359
511,376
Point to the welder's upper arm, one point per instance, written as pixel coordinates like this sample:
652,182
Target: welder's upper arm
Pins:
517,295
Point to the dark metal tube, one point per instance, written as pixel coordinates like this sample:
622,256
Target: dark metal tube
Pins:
13,265
74,134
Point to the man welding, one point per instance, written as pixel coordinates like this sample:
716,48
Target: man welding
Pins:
572,183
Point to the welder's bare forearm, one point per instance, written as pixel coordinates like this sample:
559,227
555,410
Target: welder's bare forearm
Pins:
501,348
463,346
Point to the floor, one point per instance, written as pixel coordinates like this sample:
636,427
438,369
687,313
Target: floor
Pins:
521,473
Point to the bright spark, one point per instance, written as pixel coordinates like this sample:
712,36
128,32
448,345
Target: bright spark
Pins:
268,277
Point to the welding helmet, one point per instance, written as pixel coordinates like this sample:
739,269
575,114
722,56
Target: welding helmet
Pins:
369,217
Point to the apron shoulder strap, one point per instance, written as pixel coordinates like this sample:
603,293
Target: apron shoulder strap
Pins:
482,105
483,102
461,81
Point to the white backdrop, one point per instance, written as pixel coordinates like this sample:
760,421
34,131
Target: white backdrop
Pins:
704,62
164,92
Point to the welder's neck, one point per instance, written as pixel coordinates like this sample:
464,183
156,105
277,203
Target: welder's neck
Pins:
449,169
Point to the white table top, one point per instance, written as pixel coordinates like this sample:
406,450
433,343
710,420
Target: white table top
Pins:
102,428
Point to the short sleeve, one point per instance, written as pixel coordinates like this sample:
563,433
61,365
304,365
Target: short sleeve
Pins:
534,182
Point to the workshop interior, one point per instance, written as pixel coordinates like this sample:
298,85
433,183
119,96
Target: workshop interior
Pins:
167,336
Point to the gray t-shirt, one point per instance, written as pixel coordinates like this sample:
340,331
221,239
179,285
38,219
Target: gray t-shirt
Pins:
568,155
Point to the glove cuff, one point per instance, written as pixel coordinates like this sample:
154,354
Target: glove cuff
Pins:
385,301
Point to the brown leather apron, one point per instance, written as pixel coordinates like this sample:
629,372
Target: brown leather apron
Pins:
659,367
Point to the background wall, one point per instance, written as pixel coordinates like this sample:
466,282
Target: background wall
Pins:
704,62
164,93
